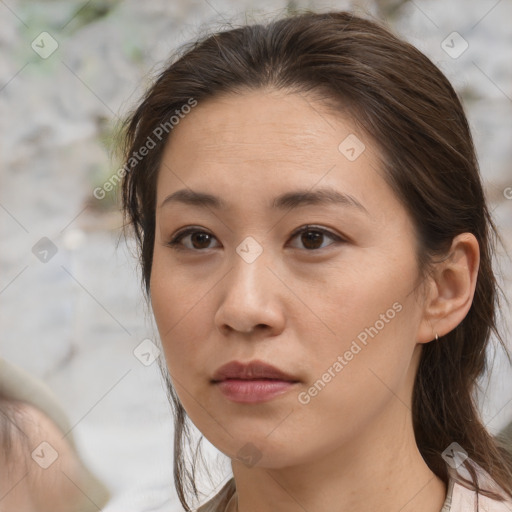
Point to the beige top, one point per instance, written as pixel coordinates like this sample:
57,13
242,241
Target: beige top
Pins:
223,501
458,499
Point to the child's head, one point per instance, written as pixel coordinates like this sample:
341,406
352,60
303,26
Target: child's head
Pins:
323,125
41,470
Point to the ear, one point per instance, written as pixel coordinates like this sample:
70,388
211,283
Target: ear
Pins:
451,289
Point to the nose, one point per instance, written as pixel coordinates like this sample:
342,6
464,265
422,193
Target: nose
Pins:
252,298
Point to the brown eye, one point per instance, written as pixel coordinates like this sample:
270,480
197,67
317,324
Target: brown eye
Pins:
199,240
312,237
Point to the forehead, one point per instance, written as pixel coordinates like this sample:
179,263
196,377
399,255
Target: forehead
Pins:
247,121
265,142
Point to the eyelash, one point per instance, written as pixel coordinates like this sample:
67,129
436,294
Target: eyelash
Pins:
174,243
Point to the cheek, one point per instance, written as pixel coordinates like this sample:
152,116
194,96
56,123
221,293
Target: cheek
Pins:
357,293
369,321
326,314
180,306
177,294
360,373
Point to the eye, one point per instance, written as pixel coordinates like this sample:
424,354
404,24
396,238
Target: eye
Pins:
312,236
201,239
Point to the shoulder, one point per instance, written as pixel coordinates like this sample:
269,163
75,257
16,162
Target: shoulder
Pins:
464,499
220,501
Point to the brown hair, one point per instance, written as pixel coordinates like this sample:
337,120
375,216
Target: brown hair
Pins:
407,106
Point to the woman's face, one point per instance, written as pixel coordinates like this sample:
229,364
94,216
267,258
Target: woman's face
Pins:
335,308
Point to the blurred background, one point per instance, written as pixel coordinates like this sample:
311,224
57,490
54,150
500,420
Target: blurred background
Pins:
72,312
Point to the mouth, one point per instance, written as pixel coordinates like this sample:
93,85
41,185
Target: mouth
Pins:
253,390
252,382
254,370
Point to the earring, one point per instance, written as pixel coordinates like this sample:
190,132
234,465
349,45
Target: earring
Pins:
437,337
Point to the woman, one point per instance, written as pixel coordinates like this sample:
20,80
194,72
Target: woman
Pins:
316,247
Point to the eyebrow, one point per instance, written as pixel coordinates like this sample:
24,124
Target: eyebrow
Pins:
288,200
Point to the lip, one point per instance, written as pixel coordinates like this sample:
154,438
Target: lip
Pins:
253,391
252,382
251,371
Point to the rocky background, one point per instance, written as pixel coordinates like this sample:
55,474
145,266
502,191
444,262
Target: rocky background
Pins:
71,307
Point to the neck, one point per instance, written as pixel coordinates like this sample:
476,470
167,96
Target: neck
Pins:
380,470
